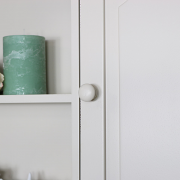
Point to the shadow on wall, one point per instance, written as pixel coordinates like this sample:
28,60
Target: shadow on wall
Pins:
1,66
7,174
1,71
52,55
11,174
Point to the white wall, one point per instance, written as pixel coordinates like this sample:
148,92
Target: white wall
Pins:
150,90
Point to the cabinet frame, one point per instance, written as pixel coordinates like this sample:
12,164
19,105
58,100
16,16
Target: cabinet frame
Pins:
112,88
75,48
64,98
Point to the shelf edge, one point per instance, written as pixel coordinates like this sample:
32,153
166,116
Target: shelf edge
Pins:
42,98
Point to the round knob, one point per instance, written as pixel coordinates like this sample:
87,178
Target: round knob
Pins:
87,92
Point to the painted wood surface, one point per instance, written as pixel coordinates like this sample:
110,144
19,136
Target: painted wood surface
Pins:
92,72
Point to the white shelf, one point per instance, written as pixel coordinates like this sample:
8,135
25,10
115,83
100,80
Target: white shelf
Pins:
44,98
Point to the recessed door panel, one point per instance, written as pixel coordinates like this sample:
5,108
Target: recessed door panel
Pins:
149,89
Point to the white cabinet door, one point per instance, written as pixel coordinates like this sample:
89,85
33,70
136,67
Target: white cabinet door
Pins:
92,72
99,66
148,35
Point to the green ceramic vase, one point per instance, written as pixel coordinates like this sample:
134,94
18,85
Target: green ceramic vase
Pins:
24,65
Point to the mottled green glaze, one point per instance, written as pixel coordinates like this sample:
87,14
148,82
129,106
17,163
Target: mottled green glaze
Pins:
24,64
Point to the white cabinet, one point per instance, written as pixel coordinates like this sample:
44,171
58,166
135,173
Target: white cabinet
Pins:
145,34
99,62
37,131
57,136
141,50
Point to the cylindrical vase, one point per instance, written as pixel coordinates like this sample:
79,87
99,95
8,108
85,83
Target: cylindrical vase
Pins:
24,65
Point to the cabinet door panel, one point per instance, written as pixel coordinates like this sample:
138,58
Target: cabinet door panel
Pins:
92,72
149,89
